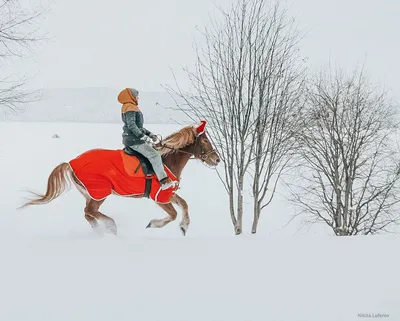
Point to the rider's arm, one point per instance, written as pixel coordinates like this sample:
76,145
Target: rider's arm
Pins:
146,131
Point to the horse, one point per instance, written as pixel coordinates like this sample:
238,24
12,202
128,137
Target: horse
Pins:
190,142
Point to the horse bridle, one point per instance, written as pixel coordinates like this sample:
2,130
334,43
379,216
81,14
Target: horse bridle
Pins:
202,156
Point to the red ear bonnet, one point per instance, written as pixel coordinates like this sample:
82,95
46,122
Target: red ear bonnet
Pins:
201,128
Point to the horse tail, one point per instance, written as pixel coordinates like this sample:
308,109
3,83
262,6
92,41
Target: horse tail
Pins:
57,184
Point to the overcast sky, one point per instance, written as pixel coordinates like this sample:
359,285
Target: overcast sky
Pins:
133,43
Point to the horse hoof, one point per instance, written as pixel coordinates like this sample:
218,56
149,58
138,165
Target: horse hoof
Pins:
111,228
148,225
183,231
98,231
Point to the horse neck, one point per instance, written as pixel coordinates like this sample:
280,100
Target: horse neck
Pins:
177,161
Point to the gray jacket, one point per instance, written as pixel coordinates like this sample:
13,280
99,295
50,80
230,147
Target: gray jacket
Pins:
133,130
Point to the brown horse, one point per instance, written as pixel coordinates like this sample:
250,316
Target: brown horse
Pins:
191,142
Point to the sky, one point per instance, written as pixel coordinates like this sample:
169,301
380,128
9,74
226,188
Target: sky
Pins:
133,43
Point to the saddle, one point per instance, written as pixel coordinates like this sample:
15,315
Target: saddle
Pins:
146,167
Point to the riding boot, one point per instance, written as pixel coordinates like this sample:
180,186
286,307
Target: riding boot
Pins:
166,183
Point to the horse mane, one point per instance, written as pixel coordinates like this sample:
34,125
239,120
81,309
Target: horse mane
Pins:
178,140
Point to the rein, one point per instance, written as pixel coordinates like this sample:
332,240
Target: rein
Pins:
177,150
203,156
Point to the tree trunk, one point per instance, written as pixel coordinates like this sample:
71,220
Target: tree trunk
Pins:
239,222
256,218
232,208
256,204
256,193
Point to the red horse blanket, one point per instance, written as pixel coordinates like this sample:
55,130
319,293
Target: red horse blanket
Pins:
103,171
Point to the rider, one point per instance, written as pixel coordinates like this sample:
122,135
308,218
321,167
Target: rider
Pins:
137,137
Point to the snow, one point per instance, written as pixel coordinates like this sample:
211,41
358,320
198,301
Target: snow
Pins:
54,267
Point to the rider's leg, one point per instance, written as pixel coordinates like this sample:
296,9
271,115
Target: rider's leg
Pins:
155,159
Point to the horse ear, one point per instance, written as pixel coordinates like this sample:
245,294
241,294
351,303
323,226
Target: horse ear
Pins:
201,128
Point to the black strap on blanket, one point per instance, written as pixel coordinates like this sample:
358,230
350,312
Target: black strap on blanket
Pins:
147,188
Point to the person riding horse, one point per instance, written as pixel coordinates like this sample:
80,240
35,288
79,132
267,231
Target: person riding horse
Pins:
138,138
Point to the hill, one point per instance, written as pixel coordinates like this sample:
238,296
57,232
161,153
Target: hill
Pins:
94,105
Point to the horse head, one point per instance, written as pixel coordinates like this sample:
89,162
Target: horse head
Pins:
202,148
189,142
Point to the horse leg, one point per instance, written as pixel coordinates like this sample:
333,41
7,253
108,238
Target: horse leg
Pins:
91,219
172,213
92,210
184,224
92,214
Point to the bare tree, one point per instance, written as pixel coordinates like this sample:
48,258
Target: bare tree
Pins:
19,32
350,172
245,84
280,84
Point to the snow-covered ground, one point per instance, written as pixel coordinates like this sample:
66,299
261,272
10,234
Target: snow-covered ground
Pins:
54,267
